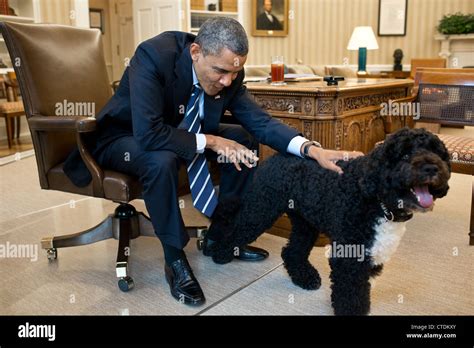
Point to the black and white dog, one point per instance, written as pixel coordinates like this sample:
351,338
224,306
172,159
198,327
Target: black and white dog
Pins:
366,207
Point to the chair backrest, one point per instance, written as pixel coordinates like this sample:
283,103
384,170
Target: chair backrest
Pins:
426,63
446,96
61,71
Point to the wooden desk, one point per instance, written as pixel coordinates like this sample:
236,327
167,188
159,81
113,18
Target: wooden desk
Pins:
343,117
387,75
339,117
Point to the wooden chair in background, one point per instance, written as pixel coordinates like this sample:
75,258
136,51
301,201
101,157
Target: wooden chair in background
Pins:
12,110
426,63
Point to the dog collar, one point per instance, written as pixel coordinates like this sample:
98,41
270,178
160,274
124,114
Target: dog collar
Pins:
386,212
401,216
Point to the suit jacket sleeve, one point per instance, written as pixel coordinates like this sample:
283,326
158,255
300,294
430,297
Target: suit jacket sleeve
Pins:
147,104
259,123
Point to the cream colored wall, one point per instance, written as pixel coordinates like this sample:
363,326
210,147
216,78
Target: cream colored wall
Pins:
106,37
56,11
321,29
184,14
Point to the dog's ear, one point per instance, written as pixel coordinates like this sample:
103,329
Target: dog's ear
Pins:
398,144
440,149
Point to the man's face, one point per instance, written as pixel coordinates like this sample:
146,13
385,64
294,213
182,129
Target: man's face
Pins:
216,72
267,5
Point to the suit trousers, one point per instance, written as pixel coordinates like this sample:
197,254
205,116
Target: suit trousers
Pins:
158,174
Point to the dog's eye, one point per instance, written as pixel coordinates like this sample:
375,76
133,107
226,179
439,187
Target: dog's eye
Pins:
405,157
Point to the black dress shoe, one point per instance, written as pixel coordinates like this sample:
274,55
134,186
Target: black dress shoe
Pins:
183,285
251,253
245,253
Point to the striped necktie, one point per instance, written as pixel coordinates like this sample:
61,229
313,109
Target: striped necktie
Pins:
202,190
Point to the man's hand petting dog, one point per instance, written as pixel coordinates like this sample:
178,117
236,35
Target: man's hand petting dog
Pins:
234,152
328,158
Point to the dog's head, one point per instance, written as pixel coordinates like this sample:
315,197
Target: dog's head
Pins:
408,171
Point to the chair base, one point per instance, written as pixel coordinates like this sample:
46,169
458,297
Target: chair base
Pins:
124,225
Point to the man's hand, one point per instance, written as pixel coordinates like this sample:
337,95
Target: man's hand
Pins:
328,158
236,153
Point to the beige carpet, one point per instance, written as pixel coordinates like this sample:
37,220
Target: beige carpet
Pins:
431,273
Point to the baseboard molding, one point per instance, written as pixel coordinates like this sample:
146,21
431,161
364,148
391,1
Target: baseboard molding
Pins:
16,157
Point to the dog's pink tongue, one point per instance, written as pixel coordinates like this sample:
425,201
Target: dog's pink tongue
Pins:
424,196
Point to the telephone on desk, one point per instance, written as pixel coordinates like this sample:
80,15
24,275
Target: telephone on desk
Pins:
333,80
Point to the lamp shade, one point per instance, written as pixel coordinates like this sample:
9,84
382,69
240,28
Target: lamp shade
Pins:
363,37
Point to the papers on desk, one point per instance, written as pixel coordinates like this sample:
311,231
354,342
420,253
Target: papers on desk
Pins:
255,79
302,77
288,78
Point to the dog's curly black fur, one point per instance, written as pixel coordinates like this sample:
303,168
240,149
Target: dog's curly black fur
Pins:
345,207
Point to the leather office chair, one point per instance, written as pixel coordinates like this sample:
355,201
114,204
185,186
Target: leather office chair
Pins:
54,63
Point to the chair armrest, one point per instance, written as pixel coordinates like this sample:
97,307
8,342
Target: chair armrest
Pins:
115,85
408,99
80,124
95,170
389,121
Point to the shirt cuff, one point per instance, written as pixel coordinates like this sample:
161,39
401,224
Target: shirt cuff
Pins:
200,142
294,147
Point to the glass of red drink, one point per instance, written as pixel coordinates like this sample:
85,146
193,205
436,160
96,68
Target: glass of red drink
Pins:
278,71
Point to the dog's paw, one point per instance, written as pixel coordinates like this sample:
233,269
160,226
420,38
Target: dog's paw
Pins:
222,255
306,277
219,252
351,311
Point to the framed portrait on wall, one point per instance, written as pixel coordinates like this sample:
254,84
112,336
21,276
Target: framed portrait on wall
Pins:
392,17
270,17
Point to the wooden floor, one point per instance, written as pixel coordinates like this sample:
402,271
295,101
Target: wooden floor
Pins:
19,145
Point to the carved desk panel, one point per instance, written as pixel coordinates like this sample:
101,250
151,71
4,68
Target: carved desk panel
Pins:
345,117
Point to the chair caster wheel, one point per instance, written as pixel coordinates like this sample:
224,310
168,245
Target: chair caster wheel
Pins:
200,239
126,283
52,254
200,244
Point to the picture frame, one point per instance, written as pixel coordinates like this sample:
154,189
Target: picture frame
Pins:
96,19
273,23
392,20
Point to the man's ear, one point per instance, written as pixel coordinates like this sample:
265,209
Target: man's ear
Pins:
195,51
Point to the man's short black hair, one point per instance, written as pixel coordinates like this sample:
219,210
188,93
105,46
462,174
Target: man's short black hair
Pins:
222,32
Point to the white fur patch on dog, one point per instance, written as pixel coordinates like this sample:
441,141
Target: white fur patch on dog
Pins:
387,237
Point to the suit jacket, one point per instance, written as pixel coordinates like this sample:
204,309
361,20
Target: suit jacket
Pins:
149,104
263,23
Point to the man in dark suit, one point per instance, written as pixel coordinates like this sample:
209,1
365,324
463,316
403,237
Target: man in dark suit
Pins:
166,113
266,20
